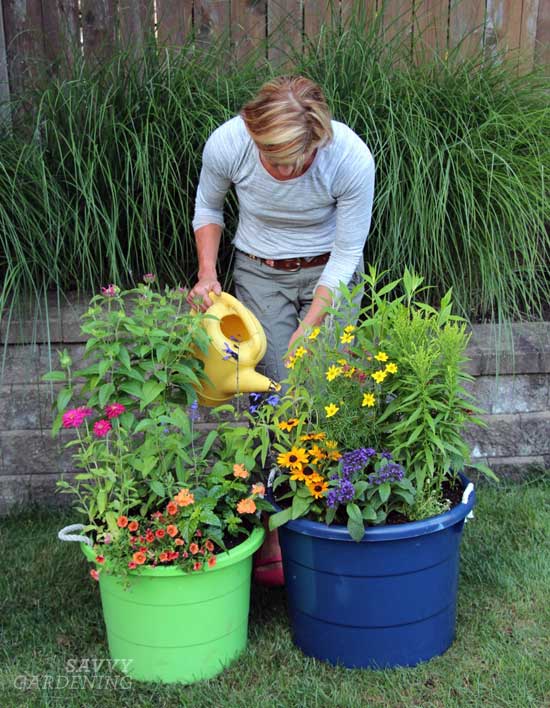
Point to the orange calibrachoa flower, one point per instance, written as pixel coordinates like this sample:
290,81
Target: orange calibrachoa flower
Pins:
258,489
184,498
139,558
246,506
122,522
172,508
133,526
240,471
209,545
163,557
94,574
212,562
179,541
194,548
172,530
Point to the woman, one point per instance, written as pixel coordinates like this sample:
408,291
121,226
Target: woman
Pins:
305,185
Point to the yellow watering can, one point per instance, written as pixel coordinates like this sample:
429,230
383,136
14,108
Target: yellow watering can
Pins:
237,344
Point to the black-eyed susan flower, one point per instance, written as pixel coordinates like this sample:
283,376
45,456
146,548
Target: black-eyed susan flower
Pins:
317,454
288,424
317,489
295,459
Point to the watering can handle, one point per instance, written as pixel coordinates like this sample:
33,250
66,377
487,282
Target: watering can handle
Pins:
65,534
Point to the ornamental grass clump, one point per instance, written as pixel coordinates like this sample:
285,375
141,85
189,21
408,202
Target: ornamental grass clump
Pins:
150,487
371,429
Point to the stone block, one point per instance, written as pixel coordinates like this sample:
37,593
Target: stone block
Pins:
517,468
20,364
43,489
512,348
511,435
15,490
29,452
511,394
20,407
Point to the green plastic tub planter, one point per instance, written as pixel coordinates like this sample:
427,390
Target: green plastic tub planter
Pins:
388,600
176,627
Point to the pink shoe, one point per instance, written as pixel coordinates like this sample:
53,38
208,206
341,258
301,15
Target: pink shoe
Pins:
269,570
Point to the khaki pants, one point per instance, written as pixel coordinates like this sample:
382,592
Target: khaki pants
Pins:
280,300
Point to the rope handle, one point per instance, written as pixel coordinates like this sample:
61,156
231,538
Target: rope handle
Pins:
65,534
466,497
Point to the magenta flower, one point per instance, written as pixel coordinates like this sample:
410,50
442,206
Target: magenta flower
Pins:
110,291
73,418
113,410
101,428
149,277
85,412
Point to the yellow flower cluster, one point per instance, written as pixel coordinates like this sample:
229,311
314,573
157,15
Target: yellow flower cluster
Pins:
381,374
305,463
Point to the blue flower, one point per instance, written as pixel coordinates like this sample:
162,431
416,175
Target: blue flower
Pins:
229,353
273,400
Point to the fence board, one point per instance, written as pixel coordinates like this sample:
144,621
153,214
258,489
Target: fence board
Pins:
212,20
542,40
363,13
174,18
24,42
502,26
98,28
397,20
136,23
528,33
61,28
5,113
466,26
316,14
284,27
431,25
248,25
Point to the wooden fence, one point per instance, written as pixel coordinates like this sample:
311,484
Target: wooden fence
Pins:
47,33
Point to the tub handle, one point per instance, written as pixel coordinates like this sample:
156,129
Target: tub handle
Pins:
466,497
65,534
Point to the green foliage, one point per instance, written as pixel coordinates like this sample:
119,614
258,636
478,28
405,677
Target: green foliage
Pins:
375,412
143,461
105,190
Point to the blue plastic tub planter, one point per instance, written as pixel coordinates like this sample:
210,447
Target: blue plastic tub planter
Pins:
388,600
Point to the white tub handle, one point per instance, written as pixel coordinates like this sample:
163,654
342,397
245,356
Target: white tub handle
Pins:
66,535
466,498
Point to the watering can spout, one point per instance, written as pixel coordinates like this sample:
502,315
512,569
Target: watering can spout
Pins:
237,345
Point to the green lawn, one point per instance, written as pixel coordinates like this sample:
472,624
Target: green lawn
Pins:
50,613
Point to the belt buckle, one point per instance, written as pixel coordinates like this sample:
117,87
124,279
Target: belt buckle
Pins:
298,265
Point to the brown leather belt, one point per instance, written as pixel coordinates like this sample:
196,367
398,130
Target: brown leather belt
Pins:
291,264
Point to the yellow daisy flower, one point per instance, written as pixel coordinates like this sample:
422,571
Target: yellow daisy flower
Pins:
333,372
331,410
368,400
314,333
334,455
348,373
318,436
311,476
295,459
299,353
350,328
382,356
391,368
379,376
290,362
347,338
342,362
331,444
288,424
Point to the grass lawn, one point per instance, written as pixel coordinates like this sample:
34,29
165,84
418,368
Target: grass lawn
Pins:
50,613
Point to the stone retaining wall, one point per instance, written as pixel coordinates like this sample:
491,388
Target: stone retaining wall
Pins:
512,383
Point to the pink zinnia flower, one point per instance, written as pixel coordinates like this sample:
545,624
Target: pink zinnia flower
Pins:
113,410
149,277
72,418
110,291
101,428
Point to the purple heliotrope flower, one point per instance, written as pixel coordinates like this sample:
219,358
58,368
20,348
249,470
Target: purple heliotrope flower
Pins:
355,460
342,494
392,472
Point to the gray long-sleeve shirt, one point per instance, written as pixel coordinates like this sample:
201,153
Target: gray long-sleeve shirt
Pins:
328,208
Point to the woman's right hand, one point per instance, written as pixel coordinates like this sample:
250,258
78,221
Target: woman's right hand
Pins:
198,296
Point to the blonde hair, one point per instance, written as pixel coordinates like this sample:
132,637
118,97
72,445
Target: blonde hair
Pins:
288,119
